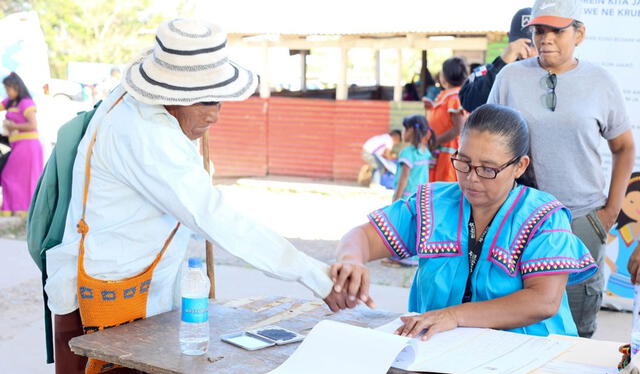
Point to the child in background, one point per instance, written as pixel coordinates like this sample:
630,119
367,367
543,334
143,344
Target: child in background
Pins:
413,168
446,117
414,160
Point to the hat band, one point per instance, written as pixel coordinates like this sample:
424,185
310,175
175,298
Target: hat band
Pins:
190,53
188,68
154,82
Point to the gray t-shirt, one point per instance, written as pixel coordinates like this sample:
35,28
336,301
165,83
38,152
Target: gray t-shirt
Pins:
564,143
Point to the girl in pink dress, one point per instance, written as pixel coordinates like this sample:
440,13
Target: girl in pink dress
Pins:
24,166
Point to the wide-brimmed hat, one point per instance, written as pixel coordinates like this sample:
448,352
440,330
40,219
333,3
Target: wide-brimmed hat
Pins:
558,14
188,64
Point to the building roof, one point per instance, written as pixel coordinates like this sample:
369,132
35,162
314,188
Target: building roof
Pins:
359,17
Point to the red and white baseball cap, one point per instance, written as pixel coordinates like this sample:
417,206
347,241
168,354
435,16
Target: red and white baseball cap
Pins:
558,14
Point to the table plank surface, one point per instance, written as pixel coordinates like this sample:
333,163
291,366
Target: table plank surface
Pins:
152,345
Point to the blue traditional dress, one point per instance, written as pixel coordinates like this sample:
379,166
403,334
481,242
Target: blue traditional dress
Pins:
418,161
529,236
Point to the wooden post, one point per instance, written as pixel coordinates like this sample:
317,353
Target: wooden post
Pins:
265,90
303,69
342,89
376,58
204,144
397,88
423,75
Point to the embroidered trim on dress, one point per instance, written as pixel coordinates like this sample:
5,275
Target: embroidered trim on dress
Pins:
555,265
508,260
424,208
391,239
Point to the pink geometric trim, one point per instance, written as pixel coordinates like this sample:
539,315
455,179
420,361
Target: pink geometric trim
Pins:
556,265
389,235
424,247
508,260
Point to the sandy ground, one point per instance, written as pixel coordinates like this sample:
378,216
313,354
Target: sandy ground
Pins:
314,215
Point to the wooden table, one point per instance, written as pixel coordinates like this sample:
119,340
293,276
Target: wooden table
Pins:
152,345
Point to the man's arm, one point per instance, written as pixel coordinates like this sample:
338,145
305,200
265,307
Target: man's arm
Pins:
476,89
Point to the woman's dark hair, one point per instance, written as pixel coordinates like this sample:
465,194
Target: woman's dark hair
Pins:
14,81
429,81
418,123
455,71
508,123
634,185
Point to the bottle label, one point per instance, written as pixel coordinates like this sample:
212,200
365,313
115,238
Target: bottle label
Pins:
195,310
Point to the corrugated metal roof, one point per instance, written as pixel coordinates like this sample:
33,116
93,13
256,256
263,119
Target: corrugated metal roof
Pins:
349,17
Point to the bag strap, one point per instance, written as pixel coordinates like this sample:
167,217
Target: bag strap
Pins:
82,226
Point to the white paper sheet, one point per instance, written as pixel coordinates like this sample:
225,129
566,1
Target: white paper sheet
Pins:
482,351
563,367
334,347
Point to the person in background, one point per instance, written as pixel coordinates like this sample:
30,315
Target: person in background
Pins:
571,105
433,90
110,82
376,148
475,90
413,168
446,117
413,160
20,174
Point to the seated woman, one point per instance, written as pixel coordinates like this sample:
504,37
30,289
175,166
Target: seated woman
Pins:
494,251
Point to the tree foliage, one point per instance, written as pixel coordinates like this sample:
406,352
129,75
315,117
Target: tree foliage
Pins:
110,31
95,31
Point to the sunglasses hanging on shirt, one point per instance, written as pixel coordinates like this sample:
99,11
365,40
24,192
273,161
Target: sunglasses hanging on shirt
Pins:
551,100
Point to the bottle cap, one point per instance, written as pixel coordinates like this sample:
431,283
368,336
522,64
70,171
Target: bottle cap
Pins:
195,262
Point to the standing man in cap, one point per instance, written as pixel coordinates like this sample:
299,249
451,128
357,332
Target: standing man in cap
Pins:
570,106
475,90
139,191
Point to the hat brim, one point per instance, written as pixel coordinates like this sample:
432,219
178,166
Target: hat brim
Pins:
551,21
214,88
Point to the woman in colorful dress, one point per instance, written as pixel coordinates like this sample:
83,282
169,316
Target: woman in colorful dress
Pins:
24,166
494,251
446,117
414,160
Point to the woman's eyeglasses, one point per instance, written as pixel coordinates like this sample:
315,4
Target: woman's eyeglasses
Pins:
485,172
550,98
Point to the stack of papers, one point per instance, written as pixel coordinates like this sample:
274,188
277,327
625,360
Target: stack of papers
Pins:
334,347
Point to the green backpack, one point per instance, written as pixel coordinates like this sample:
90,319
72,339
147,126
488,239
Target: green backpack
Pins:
50,203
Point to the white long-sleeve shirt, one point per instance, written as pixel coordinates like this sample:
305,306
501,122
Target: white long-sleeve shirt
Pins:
145,176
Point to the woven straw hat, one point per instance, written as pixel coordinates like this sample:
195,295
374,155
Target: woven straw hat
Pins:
188,64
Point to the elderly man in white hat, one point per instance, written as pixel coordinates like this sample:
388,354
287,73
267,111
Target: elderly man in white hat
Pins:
139,192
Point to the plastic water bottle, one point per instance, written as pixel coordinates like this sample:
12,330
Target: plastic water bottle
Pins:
635,326
194,324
